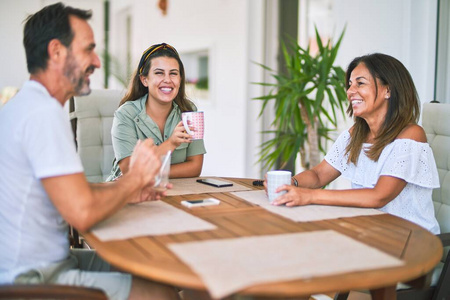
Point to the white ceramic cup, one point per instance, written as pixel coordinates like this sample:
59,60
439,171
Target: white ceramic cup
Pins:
194,119
276,179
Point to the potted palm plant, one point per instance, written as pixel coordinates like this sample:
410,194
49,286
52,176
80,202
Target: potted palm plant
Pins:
307,99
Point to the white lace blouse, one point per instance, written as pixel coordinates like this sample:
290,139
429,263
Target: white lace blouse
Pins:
407,159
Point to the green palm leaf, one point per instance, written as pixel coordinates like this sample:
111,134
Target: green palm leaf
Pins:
312,86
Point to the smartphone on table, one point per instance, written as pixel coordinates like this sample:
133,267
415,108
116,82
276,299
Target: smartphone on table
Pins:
215,182
203,202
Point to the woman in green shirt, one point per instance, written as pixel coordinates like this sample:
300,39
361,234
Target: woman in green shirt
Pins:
152,108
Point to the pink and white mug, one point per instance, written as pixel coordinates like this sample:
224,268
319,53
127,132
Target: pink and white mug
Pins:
195,120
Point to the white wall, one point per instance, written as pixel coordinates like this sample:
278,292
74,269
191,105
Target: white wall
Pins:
405,29
223,28
13,64
12,14
237,32
231,30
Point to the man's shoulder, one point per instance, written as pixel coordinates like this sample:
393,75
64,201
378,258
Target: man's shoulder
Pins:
30,101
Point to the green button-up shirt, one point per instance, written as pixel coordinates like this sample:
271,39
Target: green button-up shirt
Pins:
131,123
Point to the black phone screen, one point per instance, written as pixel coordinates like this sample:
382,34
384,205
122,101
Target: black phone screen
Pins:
214,182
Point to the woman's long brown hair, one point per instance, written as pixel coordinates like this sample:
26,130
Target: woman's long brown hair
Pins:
136,89
403,104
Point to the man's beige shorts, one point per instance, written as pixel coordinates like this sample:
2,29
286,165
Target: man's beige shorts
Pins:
82,268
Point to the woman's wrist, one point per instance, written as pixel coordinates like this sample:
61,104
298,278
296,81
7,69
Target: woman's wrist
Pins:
314,193
294,181
167,145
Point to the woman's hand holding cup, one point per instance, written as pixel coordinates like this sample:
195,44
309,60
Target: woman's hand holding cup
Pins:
179,135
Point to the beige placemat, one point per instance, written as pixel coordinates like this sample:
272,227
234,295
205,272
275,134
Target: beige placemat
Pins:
229,265
306,213
148,218
185,186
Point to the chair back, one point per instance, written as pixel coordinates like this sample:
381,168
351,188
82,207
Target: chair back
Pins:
436,122
92,118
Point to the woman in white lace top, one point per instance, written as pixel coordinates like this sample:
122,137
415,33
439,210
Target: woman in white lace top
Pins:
385,153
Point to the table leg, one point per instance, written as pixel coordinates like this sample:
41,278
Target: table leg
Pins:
386,293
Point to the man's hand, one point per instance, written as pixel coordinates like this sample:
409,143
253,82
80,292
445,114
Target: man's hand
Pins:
148,194
144,163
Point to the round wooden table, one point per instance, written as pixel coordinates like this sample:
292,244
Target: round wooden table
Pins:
150,258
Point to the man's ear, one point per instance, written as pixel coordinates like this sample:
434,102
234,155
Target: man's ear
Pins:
56,51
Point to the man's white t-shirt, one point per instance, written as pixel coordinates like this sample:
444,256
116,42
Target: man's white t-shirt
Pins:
36,142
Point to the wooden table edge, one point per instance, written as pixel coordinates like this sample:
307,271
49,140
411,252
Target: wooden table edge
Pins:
193,281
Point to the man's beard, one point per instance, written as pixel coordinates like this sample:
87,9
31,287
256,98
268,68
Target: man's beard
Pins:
77,77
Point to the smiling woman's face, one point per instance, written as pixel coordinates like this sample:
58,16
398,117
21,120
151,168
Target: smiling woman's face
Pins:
362,93
163,79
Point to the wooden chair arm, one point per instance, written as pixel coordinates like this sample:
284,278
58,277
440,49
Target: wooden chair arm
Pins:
50,291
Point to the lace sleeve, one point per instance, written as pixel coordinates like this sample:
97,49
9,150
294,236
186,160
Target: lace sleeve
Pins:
336,156
412,161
